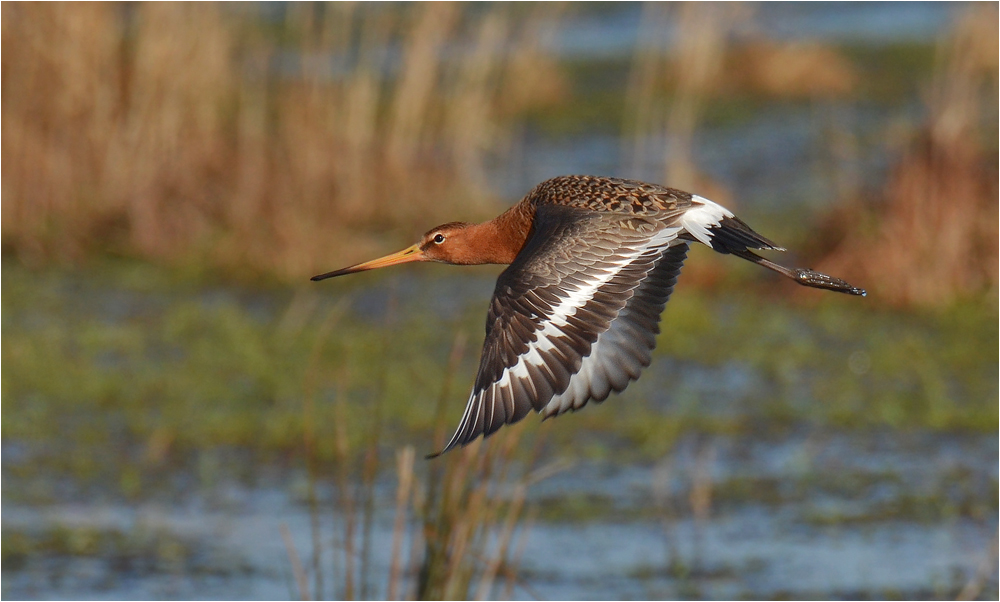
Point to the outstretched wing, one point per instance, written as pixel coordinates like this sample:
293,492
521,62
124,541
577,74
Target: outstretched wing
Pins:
574,317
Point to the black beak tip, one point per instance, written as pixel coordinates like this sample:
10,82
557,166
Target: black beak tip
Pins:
319,277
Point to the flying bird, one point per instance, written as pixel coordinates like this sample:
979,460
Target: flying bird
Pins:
574,316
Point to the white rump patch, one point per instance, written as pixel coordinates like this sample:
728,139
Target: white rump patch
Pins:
703,215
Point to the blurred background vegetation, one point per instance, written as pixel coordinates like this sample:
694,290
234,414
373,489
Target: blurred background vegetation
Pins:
172,173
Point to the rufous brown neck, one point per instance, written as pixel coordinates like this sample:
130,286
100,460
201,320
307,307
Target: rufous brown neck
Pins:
498,240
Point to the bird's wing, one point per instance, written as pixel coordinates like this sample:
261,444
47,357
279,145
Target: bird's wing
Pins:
574,317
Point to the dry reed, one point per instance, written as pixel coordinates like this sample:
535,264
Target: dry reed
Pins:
686,69
299,573
462,519
669,510
470,523
935,237
690,55
404,469
795,69
177,131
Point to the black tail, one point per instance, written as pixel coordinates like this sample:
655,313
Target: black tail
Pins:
735,237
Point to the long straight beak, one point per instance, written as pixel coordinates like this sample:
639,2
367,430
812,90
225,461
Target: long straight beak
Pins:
405,256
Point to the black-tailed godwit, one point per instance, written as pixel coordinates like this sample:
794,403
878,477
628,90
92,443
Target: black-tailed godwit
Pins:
575,315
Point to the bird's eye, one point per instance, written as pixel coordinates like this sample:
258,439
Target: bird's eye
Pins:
439,238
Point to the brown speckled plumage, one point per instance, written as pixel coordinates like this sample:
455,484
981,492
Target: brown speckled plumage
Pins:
595,193
575,315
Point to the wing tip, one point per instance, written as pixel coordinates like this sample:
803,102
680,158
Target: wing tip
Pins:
455,442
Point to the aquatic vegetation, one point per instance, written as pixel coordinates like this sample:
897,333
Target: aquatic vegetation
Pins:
138,548
168,373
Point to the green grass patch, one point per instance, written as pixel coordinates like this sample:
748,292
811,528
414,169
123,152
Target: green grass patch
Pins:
123,373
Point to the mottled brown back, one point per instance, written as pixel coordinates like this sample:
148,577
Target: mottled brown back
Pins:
597,193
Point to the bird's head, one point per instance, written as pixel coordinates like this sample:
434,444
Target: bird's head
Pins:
454,242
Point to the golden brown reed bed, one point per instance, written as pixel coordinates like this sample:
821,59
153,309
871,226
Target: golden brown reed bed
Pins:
176,130
934,238
459,526
212,135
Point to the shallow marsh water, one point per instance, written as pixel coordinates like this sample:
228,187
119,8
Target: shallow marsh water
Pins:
808,531
152,489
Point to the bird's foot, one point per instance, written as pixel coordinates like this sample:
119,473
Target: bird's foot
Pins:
807,277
